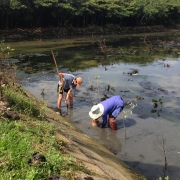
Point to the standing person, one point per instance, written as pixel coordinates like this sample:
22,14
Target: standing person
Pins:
67,83
110,107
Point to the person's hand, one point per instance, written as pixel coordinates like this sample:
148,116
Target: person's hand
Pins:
66,101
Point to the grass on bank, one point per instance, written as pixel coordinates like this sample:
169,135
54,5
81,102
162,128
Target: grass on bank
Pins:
20,139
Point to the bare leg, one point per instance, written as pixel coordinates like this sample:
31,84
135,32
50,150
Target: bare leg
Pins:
112,123
71,99
59,101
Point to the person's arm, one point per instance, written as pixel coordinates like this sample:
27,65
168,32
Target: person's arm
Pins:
104,118
61,75
116,112
68,94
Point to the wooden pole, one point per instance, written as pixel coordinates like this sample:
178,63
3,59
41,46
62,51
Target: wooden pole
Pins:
61,80
55,62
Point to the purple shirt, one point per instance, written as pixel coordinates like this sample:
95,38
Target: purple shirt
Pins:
112,106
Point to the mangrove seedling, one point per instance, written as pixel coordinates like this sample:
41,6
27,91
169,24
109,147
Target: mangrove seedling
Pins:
156,104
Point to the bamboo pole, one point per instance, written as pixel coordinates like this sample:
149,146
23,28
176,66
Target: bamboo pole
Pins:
61,80
55,63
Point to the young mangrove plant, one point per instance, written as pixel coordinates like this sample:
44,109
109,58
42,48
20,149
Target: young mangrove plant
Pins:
125,114
157,105
162,147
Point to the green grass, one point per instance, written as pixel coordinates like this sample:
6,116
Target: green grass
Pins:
21,138
18,100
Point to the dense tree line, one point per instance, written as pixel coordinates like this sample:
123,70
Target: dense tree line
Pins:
84,13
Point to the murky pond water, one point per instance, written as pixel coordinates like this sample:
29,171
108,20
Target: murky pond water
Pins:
151,132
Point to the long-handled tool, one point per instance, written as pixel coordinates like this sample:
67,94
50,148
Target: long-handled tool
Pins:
55,63
58,72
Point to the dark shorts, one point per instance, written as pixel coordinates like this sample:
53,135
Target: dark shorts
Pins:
60,90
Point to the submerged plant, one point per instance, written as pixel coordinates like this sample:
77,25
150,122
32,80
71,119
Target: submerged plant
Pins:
94,86
104,49
156,102
157,106
94,83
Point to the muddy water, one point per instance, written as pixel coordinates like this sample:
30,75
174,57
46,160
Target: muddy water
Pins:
151,132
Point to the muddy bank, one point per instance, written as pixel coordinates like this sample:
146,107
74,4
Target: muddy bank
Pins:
93,155
49,33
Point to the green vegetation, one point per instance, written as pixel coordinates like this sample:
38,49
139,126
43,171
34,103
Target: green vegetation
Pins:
166,178
76,13
31,148
24,105
157,105
4,51
19,140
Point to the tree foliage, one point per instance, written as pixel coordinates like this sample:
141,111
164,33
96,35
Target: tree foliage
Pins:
82,13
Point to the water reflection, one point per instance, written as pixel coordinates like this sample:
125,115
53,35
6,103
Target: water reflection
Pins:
110,140
90,51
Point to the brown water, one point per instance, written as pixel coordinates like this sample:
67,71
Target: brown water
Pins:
158,77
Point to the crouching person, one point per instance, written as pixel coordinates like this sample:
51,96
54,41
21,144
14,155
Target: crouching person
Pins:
108,110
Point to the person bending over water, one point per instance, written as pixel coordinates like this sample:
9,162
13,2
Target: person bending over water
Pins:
67,84
108,109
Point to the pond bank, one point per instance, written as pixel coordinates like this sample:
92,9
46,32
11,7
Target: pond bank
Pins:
19,34
93,155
